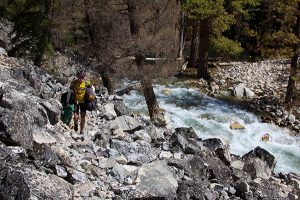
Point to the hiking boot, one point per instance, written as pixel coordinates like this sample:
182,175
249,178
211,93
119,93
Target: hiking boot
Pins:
76,127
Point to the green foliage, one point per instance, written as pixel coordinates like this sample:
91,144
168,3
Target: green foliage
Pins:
223,15
273,25
32,26
226,47
202,9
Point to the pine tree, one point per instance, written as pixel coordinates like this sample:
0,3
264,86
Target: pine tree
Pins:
32,26
212,18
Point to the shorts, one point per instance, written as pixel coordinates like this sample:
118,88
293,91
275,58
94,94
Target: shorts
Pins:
81,107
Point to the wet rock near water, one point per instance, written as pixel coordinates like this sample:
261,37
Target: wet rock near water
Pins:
119,156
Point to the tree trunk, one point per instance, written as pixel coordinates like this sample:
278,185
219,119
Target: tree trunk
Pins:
194,47
105,76
155,114
182,35
290,93
107,82
45,39
203,51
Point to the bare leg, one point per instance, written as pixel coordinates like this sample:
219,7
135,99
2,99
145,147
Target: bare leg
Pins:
82,121
76,117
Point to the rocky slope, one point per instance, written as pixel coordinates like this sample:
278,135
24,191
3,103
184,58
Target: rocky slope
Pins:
122,156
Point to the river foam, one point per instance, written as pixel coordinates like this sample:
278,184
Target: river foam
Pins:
209,117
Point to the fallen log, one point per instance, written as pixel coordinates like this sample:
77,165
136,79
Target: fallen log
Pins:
128,89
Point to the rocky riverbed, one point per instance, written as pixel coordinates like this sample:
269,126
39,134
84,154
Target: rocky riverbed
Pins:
121,156
260,87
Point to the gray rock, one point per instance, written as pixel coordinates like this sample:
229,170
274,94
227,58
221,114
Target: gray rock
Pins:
142,135
61,171
259,163
155,134
122,172
165,154
292,196
127,123
17,128
136,152
44,155
155,180
293,179
43,137
248,93
195,190
210,166
30,184
291,118
238,91
109,112
216,145
121,109
187,140
237,164
3,51
242,187
77,176
53,111
216,187
4,151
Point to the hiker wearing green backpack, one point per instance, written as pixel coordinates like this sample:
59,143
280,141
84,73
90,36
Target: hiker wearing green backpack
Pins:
79,86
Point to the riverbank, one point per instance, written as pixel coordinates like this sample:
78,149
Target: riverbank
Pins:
259,87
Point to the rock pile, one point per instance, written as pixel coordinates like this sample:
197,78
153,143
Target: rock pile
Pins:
263,85
122,156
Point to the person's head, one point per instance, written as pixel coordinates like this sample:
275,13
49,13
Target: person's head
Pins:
80,75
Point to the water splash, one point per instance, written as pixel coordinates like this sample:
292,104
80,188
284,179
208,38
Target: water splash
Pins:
209,117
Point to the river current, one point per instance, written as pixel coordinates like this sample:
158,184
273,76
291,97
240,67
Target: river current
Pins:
210,117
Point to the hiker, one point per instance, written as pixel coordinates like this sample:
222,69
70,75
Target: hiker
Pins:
79,87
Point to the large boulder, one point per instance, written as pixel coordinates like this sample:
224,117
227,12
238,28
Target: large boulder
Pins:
156,181
126,123
16,128
18,101
259,163
210,167
196,190
122,172
139,152
155,134
222,151
238,91
109,113
187,140
121,109
44,156
41,136
53,110
17,183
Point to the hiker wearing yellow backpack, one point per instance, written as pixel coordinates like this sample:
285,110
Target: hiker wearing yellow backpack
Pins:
79,86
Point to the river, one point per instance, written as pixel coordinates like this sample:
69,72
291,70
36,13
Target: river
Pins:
210,117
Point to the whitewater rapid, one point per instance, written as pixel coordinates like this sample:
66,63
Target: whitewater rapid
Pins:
209,117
